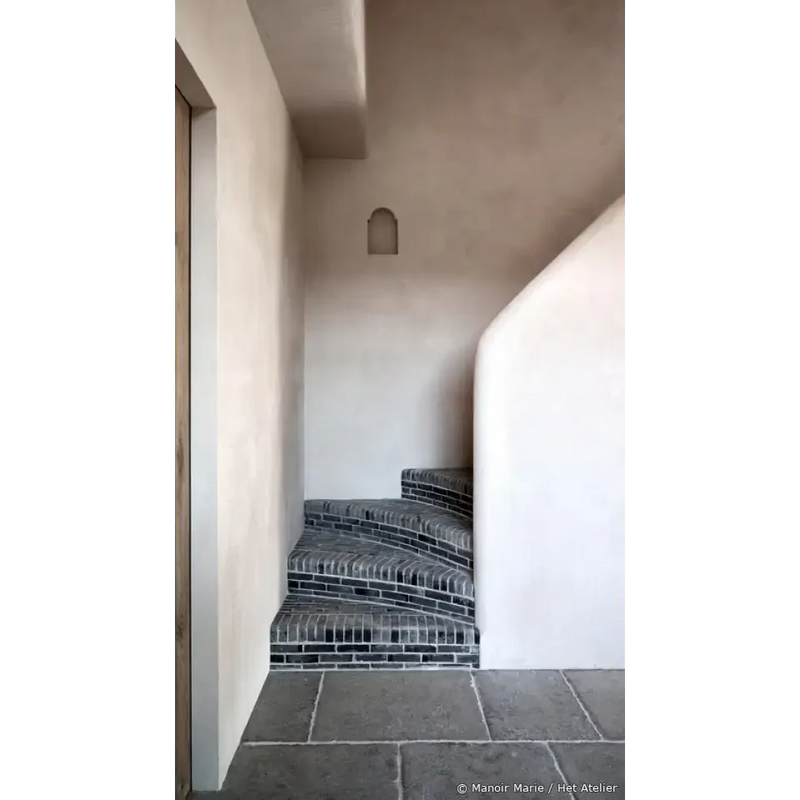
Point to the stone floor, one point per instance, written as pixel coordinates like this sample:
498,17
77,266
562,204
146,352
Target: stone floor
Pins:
432,735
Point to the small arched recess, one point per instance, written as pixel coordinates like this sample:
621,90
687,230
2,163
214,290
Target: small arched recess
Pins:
382,233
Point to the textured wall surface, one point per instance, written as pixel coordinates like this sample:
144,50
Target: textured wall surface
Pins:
549,464
259,354
496,137
316,49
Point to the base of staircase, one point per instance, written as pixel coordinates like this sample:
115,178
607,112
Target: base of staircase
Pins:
383,583
328,633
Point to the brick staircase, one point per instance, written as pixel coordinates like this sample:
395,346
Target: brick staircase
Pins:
383,584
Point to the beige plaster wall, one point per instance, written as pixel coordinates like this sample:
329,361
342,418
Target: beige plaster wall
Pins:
259,355
496,136
549,464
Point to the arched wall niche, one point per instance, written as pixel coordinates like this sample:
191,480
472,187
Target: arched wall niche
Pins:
382,233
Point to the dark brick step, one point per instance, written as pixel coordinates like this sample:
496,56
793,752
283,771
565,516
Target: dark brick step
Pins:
331,633
332,563
413,526
449,489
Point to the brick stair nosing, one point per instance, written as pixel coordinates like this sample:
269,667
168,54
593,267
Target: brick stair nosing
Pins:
409,525
340,565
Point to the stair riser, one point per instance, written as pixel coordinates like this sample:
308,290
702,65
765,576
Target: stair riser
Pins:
437,496
364,667
382,629
397,595
430,580
307,640
465,662
372,656
409,540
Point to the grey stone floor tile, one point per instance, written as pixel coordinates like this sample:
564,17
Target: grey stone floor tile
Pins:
488,770
391,706
297,772
596,769
531,704
602,691
283,710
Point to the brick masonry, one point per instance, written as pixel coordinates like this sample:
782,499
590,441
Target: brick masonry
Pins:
318,633
383,584
409,525
450,489
340,565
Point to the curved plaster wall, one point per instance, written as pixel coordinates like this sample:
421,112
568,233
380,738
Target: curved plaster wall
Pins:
549,464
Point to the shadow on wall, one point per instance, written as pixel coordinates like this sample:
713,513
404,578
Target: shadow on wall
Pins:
554,234
456,380
465,422
382,233
280,239
496,136
335,131
502,123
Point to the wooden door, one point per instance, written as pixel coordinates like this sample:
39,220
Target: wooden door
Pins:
183,750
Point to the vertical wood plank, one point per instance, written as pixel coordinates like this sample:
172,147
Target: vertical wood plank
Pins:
182,503
174,526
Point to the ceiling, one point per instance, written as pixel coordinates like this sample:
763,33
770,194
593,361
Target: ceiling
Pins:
317,52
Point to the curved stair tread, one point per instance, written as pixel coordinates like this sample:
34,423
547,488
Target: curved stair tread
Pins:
329,553
305,618
340,542
444,525
383,583
449,488
455,479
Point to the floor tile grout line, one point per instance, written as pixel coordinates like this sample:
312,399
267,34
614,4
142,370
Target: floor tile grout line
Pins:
428,741
558,768
316,704
583,707
399,773
480,703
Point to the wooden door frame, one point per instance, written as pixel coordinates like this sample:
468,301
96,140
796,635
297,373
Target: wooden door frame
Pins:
183,703
202,451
